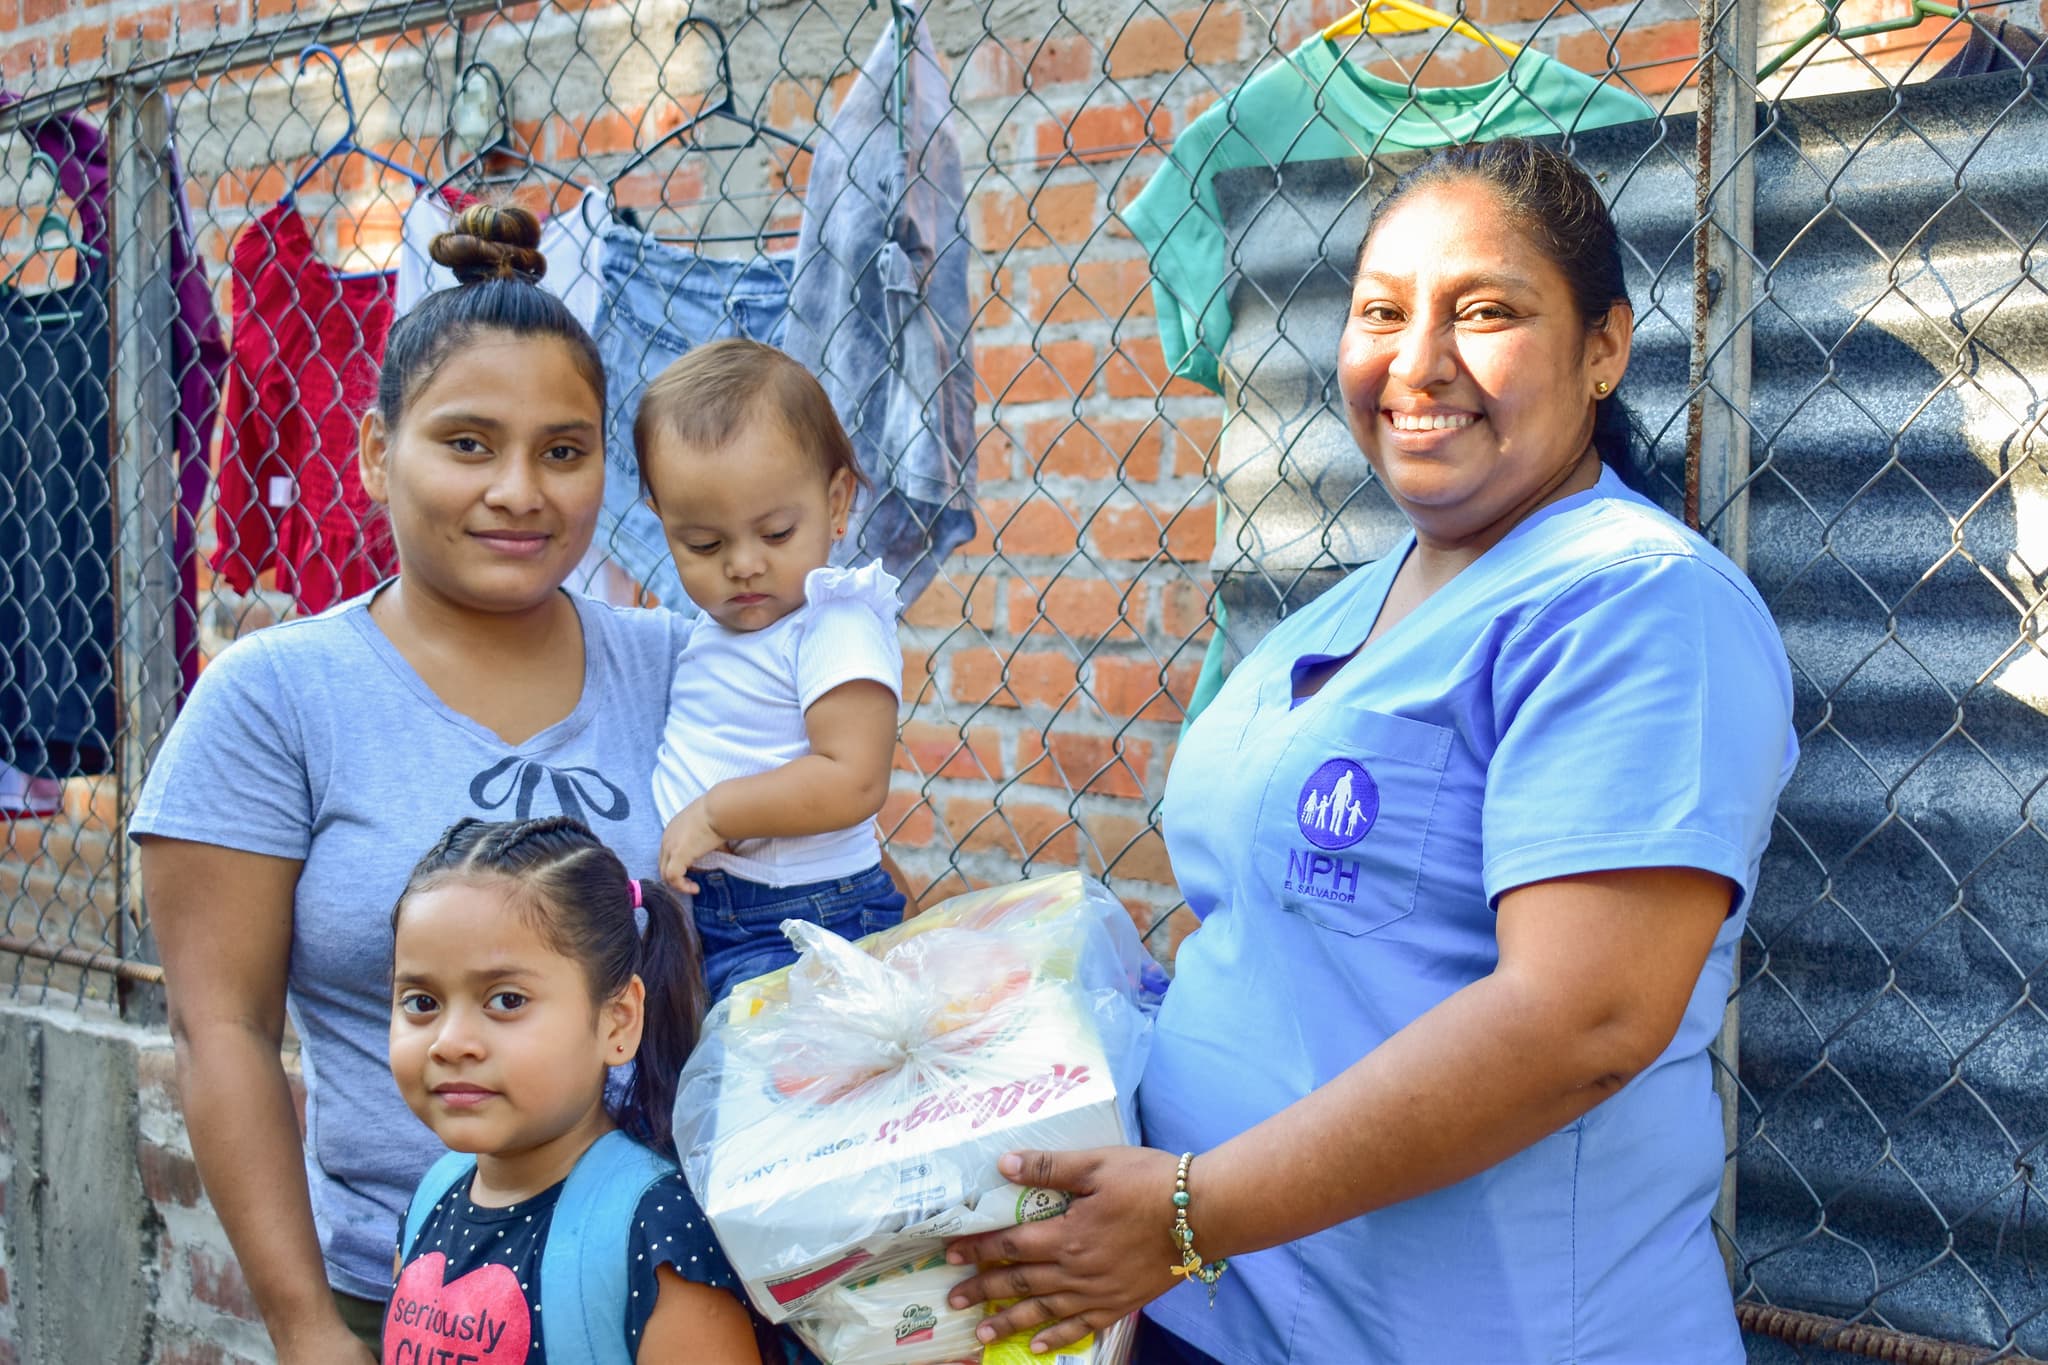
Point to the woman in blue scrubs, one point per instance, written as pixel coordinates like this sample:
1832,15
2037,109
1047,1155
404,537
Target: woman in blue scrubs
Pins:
1472,837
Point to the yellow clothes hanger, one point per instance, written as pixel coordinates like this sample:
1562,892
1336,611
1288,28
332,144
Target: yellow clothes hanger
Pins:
1406,16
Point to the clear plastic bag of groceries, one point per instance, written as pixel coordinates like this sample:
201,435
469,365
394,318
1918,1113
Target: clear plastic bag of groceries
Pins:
843,1117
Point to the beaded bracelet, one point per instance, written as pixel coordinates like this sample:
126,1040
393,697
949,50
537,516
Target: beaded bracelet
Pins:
1191,1264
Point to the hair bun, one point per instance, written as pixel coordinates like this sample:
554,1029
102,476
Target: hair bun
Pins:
492,242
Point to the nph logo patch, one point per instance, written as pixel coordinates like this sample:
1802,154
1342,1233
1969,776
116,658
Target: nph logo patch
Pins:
1337,807
1338,804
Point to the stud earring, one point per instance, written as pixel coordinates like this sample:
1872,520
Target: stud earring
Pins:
1601,388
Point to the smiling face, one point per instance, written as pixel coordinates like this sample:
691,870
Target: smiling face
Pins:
747,519
494,472
1469,374
495,1041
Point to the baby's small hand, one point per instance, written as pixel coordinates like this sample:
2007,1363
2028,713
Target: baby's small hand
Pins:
688,838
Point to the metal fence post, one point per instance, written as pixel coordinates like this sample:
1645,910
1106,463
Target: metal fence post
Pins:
1717,462
1723,287
144,405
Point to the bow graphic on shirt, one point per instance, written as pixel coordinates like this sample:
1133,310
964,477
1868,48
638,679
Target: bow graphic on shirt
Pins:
516,779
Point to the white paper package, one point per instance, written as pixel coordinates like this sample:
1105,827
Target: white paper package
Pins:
897,1318
842,1118
902,1318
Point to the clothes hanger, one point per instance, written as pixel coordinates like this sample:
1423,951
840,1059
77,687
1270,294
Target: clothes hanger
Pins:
905,22
480,84
759,238
1919,13
1406,16
346,143
54,234
723,109
904,19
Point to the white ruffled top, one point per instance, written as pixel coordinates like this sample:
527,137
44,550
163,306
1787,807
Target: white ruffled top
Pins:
869,584
737,703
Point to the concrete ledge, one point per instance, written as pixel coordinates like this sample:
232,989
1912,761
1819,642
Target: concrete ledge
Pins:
109,1249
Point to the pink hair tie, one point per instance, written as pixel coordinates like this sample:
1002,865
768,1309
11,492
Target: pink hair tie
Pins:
634,884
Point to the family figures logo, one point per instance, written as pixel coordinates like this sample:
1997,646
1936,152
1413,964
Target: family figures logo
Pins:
1339,804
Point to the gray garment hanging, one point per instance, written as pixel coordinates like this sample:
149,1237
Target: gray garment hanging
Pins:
879,312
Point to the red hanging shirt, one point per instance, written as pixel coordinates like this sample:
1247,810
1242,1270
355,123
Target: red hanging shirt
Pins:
305,350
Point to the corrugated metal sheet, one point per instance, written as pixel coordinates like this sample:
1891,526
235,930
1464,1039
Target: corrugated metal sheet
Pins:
1894,1059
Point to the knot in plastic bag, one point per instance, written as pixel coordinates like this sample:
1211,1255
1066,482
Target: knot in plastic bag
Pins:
916,1013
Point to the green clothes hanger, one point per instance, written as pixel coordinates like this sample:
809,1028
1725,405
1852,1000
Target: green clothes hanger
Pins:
54,234
1921,12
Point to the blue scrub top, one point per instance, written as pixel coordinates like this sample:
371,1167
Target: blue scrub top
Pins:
1602,689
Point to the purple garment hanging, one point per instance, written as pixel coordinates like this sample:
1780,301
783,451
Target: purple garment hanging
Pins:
198,356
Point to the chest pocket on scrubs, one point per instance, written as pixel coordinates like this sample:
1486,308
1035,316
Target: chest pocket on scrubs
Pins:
1346,816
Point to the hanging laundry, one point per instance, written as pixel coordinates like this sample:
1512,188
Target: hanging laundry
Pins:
58,699
1316,106
659,302
879,310
306,343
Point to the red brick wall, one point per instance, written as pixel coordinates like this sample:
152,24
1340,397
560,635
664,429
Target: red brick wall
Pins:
205,1313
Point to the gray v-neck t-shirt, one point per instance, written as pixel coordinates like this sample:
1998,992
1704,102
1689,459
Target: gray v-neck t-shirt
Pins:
315,740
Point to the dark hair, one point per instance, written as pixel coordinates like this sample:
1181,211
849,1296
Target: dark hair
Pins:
1561,210
494,252
704,396
581,900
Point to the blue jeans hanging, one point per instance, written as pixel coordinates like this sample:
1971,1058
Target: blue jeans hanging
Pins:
659,302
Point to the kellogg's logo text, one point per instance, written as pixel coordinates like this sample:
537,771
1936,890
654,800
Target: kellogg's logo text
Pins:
980,1107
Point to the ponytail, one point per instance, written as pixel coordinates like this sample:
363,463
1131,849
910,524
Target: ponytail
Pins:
672,970
588,909
1614,441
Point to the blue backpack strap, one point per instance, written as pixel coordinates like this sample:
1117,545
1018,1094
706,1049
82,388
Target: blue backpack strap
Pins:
583,1271
440,1178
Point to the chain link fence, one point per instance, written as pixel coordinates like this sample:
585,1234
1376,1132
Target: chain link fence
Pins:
1840,342
1890,1114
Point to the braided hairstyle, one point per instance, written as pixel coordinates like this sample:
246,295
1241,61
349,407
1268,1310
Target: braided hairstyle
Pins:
581,900
494,252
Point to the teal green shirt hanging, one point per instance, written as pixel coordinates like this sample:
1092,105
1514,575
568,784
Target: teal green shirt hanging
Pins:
1316,106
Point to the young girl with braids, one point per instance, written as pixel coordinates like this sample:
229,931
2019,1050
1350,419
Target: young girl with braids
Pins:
528,968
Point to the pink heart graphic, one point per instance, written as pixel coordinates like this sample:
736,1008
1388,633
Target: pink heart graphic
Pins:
480,1319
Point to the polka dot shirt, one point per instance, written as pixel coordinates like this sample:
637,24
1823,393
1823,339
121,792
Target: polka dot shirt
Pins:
668,1229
